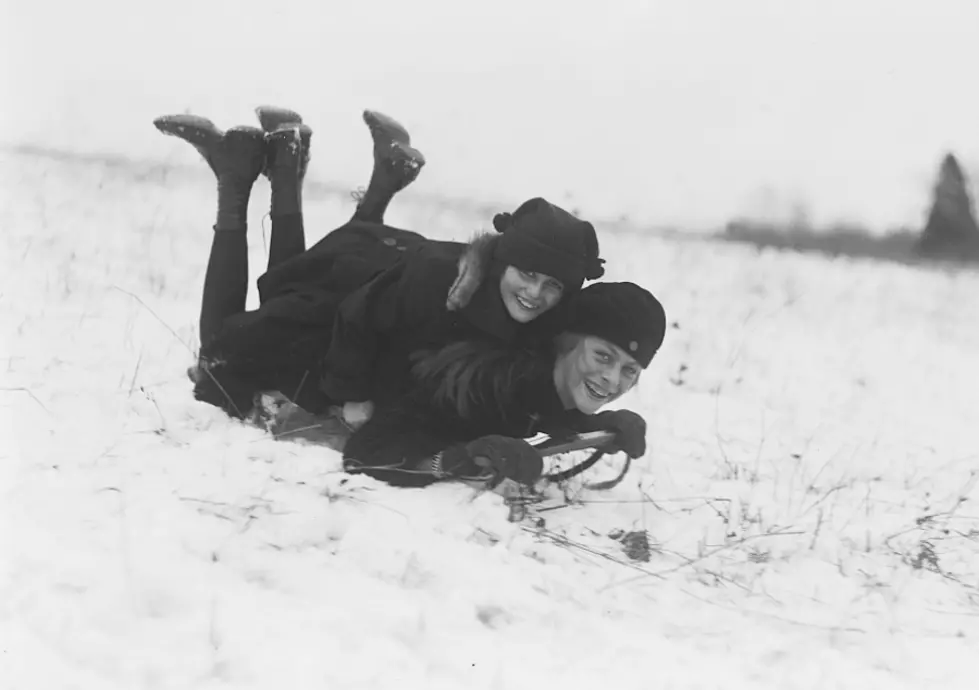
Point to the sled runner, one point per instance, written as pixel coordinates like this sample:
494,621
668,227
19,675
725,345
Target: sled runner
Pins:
286,421
592,439
599,441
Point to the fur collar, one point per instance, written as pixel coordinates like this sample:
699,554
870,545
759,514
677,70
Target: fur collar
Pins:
473,266
473,379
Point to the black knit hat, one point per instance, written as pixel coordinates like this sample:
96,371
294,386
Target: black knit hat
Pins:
622,313
544,238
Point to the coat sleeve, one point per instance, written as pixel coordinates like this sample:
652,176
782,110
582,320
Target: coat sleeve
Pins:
391,445
566,424
404,297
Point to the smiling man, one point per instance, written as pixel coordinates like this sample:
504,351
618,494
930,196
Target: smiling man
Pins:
474,404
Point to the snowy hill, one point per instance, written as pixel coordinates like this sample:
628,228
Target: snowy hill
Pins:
809,496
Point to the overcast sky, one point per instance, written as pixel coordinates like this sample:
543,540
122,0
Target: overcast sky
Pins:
690,111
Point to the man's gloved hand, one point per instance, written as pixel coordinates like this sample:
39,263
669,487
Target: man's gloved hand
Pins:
500,456
629,428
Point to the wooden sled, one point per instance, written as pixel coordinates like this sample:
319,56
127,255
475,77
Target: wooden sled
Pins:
286,421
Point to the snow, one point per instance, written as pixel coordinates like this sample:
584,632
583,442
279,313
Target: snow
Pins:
827,408
809,493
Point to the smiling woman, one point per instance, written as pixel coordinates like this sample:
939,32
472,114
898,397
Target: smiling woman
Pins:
473,405
527,294
592,371
615,332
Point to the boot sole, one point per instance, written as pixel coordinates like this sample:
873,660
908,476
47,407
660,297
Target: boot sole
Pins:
379,122
197,131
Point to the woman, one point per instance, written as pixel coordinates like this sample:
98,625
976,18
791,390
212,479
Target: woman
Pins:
473,403
338,323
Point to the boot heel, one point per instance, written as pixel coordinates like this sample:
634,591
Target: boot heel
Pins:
393,152
287,148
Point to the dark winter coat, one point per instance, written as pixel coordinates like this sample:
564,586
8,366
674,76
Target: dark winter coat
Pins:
462,393
340,322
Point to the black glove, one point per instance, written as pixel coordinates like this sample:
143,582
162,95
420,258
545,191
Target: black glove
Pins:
494,456
629,428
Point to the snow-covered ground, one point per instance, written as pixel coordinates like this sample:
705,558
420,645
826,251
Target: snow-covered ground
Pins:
812,449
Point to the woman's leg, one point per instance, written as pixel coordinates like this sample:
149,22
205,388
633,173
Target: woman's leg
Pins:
237,157
396,165
288,157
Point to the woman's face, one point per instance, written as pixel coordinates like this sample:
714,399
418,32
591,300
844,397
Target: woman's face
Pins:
527,295
594,373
